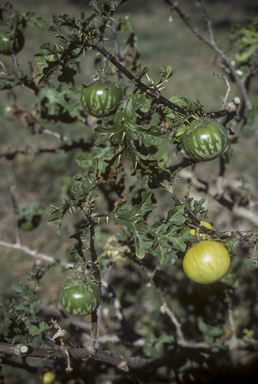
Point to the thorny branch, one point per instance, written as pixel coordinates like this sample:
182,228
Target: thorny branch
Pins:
96,272
157,96
124,364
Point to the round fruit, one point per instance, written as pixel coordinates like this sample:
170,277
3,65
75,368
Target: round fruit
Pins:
202,235
10,43
206,142
80,298
100,100
206,262
48,377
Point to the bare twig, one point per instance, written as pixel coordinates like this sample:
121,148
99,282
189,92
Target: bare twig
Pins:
15,61
94,331
165,309
228,89
31,152
52,133
233,339
117,48
60,332
222,198
84,145
117,305
35,254
15,213
211,42
68,368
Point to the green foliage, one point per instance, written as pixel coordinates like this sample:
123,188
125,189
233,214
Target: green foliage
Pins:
157,344
12,81
13,19
252,119
245,39
84,197
21,315
249,337
243,47
29,217
210,332
57,104
123,176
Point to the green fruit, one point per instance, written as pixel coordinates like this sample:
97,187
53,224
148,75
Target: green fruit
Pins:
206,142
99,99
80,297
206,262
10,43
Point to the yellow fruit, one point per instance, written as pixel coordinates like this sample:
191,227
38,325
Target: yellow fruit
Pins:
48,377
202,235
206,262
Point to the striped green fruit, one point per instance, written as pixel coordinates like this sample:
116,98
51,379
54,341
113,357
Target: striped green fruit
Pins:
10,43
206,262
99,99
80,298
206,142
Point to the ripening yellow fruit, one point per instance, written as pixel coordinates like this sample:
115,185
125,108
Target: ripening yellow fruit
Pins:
48,377
202,235
206,262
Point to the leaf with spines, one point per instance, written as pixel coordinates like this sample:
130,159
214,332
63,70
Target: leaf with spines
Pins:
133,219
61,209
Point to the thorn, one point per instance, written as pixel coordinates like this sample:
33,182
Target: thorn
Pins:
123,137
148,77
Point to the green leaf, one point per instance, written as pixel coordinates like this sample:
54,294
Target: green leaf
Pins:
125,24
34,330
139,73
37,341
156,238
209,330
243,56
61,209
166,71
99,153
10,81
133,220
163,339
